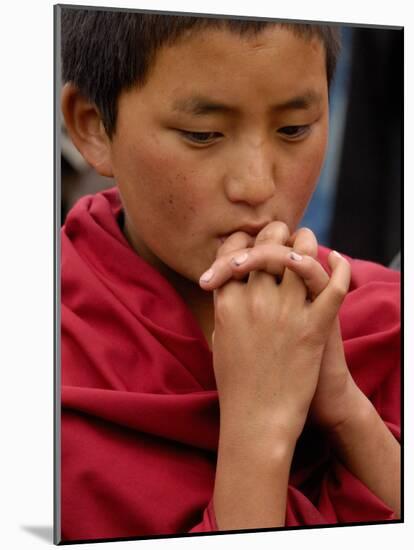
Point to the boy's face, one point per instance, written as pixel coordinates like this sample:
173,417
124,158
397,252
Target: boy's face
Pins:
229,132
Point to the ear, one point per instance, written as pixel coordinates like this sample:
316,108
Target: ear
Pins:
85,127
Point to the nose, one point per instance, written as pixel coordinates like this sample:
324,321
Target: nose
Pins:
251,175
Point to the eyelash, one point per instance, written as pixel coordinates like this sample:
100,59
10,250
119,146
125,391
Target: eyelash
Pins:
299,131
192,136
196,137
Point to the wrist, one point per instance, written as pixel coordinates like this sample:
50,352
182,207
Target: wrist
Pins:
251,482
257,435
343,406
359,414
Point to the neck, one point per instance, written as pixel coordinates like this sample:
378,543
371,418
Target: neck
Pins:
200,302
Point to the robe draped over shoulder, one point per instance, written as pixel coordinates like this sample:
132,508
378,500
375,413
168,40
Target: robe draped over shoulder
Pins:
139,406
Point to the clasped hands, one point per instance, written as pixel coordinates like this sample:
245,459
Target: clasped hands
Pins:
277,346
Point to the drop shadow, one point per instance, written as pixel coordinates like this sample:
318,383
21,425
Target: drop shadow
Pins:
44,532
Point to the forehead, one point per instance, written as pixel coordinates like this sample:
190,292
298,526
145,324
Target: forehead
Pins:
222,57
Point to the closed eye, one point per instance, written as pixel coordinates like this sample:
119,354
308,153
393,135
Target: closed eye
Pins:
201,138
295,132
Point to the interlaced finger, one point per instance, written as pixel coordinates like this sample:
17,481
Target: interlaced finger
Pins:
235,242
327,304
269,240
304,243
254,254
220,271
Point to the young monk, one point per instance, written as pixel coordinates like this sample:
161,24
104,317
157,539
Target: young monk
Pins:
208,382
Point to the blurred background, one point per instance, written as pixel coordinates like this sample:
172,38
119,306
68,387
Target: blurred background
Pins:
357,205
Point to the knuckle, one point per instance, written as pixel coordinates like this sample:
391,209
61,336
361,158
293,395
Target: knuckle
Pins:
283,229
234,242
284,316
312,338
258,305
274,231
347,269
306,242
312,333
265,255
315,272
306,231
338,291
225,301
223,306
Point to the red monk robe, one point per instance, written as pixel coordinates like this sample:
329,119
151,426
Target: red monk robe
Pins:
140,415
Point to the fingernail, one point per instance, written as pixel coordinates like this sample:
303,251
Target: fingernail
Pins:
296,257
206,277
336,253
238,260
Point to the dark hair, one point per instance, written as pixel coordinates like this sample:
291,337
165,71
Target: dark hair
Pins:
107,52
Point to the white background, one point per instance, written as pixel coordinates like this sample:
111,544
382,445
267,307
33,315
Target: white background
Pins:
26,272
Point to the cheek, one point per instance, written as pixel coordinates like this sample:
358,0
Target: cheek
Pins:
162,181
301,183
313,162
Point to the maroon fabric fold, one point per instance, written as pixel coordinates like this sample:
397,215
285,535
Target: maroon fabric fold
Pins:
140,415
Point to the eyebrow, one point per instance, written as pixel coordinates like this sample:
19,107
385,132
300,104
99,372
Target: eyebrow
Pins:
199,105
300,102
